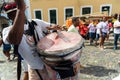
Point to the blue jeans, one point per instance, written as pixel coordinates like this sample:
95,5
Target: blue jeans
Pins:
97,36
104,34
116,37
6,47
92,35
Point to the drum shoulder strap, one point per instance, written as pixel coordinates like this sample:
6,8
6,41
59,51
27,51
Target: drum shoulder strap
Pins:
32,31
32,25
38,74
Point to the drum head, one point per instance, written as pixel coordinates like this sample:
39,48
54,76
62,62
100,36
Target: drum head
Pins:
60,44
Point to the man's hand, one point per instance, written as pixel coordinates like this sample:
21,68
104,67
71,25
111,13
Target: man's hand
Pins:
55,27
20,4
17,29
116,26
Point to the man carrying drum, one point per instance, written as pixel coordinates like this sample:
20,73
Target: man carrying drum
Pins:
16,35
21,33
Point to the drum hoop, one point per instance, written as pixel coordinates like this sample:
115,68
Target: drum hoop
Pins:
52,56
69,57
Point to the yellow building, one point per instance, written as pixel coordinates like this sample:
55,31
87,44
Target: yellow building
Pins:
57,11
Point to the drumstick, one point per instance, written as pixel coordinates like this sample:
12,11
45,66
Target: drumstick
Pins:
61,35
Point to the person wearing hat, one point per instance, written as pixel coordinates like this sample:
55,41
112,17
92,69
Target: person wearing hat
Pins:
10,10
15,34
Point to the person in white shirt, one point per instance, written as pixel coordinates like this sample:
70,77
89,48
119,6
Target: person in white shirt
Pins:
98,31
74,28
75,23
116,26
15,34
103,32
92,30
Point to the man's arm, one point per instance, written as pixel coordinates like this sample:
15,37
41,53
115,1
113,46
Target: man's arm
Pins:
116,26
54,27
17,30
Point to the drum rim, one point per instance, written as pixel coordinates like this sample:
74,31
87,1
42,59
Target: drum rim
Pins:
43,54
64,52
64,58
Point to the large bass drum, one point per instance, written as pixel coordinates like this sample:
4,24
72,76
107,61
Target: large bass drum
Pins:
62,51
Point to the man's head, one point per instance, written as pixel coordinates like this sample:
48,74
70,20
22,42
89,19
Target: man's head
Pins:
10,10
104,19
76,21
115,16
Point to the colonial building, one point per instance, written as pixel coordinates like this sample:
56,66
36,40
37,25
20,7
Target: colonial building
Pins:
57,11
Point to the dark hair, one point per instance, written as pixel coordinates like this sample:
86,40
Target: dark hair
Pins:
110,20
115,16
74,19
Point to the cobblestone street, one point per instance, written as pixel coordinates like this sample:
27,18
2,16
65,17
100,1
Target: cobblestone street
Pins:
98,64
7,69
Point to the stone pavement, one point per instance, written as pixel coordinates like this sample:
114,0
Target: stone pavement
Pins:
7,69
98,64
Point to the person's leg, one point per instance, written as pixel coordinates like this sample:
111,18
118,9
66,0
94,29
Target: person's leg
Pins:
91,41
25,70
25,76
103,39
115,40
101,43
15,51
94,36
107,38
7,54
6,50
104,36
97,38
91,38
33,75
52,73
119,38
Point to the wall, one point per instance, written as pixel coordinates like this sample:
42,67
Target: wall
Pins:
44,5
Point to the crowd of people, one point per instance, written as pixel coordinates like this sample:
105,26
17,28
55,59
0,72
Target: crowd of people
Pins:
98,30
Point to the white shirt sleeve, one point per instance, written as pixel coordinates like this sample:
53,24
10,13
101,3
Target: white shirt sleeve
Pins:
101,25
5,34
116,23
89,25
42,24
